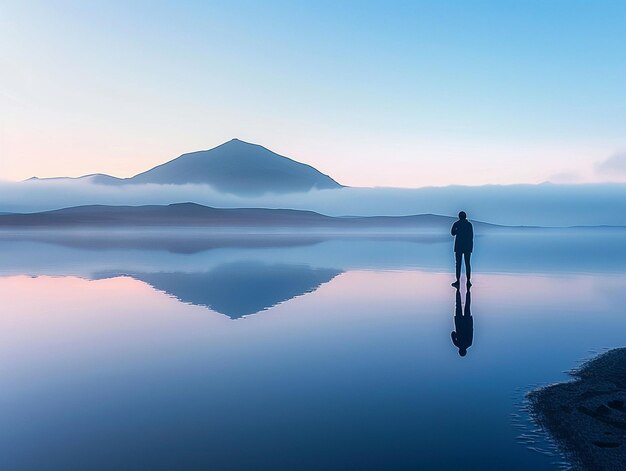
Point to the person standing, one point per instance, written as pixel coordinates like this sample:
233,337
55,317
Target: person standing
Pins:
463,232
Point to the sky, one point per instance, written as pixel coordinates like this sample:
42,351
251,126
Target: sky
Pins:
398,94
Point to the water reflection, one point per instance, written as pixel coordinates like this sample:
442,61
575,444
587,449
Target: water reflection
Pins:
83,253
239,288
177,242
133,379
463,335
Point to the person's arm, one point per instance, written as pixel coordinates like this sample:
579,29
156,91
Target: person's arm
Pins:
455,228
471,231
455,339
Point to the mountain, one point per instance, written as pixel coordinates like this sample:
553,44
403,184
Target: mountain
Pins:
239,167
196,215
235,167
238,289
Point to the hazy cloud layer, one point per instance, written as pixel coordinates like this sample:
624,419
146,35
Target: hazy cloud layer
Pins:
614,166
565,177
545,204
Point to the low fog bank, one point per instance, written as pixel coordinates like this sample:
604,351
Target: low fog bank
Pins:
566,251
545,204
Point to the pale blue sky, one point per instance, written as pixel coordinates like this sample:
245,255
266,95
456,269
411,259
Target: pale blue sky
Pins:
373,93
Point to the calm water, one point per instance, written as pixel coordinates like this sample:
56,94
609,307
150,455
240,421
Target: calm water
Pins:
146,352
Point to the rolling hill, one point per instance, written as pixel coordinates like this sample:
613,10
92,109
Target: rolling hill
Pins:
195,215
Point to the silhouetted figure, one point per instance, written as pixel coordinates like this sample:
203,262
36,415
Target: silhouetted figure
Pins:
463,324
463,246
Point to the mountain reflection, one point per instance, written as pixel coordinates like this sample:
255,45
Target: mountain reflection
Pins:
240,288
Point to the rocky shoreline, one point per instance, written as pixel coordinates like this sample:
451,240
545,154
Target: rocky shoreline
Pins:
587,416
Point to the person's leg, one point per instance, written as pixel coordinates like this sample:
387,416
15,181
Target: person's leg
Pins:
468,268
458,256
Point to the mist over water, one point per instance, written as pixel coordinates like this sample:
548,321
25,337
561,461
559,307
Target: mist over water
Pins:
543,205
83,253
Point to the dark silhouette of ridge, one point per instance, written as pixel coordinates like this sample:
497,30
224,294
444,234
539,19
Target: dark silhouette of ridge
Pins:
196,215
241,288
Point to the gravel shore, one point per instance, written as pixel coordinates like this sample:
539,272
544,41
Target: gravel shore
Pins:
587,416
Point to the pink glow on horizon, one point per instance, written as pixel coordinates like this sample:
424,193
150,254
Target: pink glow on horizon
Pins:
411,163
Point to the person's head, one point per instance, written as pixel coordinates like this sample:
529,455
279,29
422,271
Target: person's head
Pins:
462,215
462,351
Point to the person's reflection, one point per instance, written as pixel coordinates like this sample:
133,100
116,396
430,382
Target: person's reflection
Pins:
463,324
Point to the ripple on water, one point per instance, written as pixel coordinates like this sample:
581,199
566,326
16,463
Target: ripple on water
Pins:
531,435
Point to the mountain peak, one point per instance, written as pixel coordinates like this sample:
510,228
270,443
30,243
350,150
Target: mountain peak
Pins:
235,142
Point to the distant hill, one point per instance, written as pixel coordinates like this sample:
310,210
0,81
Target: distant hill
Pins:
235,167
99,178
195,215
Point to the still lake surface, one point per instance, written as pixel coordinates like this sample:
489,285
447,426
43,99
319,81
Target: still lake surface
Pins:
162,351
